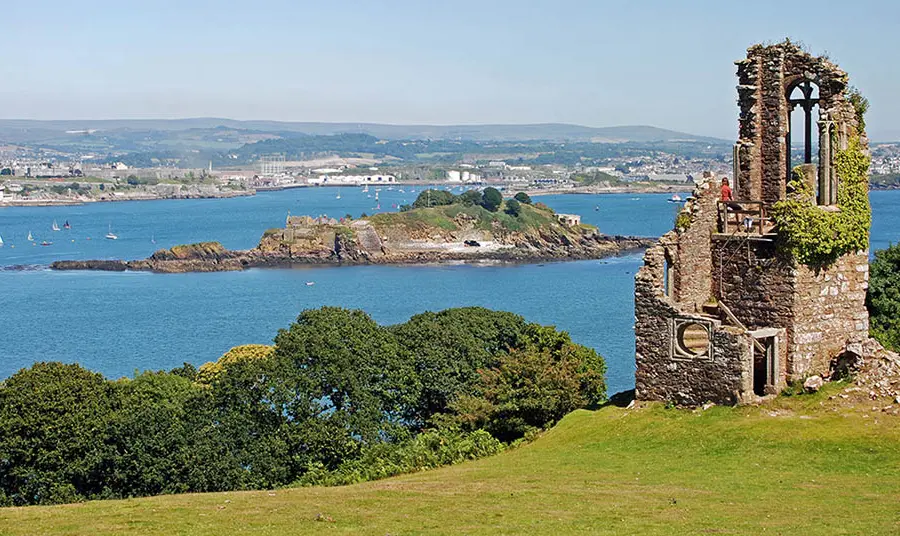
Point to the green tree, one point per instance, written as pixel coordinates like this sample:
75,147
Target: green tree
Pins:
883,298
533,386
469,198
523,198
513,207
350,366
447,348
491,199
53,428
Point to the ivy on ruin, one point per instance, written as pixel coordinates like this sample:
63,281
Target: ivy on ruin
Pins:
818,237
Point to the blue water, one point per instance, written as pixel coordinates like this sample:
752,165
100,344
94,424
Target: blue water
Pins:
117,323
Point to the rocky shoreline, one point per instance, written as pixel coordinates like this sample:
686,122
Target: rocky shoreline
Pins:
212,257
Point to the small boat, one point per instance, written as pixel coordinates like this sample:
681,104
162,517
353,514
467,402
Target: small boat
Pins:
1,241
30,238
310,283
366,189
675,199
66,225
338,196
110,234
597,208
55,227
45,243
152,240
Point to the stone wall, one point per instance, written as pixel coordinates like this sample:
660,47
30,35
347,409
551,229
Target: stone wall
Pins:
693,262
829,311
721,377
821,310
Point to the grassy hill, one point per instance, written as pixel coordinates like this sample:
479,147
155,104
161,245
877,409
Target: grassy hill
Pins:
811,465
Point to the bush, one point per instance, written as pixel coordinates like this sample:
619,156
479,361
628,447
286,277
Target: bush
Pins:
883,298
433,198
523,198
513,207
491,199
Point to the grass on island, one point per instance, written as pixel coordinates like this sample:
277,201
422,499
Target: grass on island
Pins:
804,465
443,216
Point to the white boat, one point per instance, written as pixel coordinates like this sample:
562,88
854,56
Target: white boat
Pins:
310,283
55,227
338,195
30,238
110,234
675,199
1,241
366,188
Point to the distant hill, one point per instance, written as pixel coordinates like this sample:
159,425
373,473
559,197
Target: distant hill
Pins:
26,130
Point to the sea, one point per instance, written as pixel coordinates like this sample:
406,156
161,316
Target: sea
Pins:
122,323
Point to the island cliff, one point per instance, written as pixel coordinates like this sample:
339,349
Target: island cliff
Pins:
445,233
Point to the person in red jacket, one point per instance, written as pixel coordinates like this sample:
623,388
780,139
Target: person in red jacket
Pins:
726,191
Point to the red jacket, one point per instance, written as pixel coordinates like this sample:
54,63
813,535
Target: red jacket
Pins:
726,193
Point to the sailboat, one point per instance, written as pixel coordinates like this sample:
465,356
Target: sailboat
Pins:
66,225
55,227
152,240
110,234
366,189
339,194
30,238
1,241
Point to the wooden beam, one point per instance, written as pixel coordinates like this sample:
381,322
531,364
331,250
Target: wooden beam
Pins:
734,320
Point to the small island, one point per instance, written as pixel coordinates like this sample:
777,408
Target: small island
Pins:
438,227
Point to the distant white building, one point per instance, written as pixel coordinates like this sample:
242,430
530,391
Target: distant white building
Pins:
669,177
454,176
339,180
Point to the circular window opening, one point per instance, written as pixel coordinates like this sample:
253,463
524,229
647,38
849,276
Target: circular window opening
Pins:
693,339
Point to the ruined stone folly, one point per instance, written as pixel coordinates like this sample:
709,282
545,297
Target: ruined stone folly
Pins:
749,293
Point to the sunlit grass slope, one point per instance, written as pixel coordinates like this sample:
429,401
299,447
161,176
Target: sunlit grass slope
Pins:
802,465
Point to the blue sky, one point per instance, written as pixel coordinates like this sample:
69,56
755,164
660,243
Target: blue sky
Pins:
596,63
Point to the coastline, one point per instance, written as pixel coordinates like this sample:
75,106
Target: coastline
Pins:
211,257
60,202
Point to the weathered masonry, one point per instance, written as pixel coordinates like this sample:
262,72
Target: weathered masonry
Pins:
743,296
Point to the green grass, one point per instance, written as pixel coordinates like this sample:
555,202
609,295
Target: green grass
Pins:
800,465
443,217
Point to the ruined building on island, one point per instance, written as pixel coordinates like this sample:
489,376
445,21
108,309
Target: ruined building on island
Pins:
746,295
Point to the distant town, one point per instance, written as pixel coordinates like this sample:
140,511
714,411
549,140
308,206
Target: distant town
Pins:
79,166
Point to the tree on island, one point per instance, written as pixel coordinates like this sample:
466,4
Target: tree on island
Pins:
491,199
513,207
523,198
433,198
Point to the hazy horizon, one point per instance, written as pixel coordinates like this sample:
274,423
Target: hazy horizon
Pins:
404,63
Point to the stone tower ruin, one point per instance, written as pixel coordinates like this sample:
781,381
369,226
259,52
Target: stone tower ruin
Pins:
731,304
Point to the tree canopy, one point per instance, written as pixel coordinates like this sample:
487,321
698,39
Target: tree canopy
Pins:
339,398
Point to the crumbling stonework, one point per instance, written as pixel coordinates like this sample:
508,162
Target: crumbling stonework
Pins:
722,279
